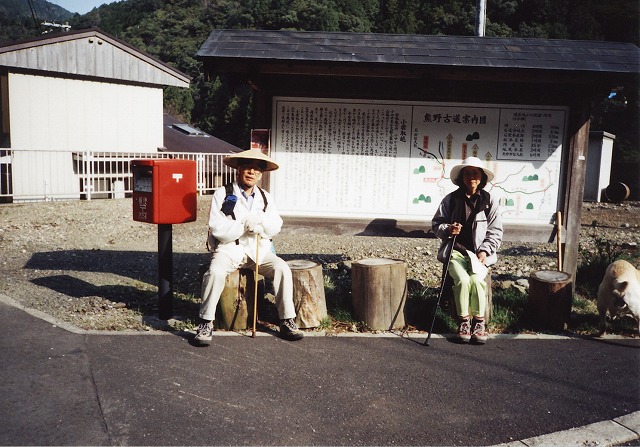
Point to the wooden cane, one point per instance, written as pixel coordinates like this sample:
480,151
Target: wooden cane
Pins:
559,238
255,290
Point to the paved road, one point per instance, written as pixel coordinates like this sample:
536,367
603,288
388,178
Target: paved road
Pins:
64,388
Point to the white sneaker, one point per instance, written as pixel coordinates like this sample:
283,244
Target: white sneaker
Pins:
204,334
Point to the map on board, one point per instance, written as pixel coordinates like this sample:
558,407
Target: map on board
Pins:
373,159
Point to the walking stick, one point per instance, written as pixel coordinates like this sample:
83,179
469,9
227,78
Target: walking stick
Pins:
255,290
445,270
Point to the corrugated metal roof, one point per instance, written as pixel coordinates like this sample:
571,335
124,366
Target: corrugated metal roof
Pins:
93,53
422,50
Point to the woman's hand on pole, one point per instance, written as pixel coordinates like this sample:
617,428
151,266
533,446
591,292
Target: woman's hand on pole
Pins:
455,228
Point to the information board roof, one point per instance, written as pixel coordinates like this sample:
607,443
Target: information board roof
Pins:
422,50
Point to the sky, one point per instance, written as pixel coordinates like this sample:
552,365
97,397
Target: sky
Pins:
80,6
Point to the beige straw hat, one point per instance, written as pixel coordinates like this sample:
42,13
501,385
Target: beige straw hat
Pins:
469,161
233,161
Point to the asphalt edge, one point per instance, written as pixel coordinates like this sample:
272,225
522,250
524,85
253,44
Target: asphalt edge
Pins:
608,433
162,327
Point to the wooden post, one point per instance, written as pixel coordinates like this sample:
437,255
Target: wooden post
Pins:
559,238
550,298
233,311
576,167
308,293
379,292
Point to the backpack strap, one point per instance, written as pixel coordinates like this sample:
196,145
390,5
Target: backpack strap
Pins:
228,188
228,205
227,209
264,198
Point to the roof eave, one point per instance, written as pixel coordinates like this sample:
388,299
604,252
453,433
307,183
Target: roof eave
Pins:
460,71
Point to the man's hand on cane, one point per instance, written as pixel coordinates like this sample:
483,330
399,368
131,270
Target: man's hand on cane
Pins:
253,225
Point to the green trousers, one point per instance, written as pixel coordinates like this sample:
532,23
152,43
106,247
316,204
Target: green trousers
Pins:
469,289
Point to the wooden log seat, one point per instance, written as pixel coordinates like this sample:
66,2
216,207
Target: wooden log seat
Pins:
308,293
550,298
379,292
235,308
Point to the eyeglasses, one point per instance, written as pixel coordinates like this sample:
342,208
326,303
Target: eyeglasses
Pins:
249,167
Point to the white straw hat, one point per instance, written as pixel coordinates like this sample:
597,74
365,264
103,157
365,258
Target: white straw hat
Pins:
233,161
469,161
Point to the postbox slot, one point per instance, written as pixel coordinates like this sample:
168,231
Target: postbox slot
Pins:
143,179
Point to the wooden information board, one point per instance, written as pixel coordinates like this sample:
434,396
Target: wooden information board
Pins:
376,159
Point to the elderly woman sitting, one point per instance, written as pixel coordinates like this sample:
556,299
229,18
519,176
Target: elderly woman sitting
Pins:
471,214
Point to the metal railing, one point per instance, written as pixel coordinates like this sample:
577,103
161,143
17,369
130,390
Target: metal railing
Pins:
40,175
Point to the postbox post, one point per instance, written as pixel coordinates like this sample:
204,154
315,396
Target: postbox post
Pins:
165,271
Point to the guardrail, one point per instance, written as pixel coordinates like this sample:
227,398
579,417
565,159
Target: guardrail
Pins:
40,175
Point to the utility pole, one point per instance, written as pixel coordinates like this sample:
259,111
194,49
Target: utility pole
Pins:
481,17
33,14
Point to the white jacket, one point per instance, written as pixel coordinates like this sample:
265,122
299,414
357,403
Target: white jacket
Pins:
224,231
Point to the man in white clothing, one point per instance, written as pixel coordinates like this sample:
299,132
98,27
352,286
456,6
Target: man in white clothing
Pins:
234,221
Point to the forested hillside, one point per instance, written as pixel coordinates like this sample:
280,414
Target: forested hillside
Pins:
21,18
173,30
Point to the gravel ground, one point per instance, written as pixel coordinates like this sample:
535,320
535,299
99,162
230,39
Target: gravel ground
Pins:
89,264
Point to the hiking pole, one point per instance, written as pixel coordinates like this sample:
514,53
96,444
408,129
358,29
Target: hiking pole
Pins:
255,290
445,270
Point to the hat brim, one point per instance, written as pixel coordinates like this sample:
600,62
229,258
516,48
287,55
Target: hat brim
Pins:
455,172
234,161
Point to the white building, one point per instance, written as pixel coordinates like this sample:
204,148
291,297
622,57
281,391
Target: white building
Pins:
70,94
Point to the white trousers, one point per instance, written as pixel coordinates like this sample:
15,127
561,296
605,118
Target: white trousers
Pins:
271,267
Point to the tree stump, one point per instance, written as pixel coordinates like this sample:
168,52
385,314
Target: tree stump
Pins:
448,303
235,308
550,297
379,292
308,293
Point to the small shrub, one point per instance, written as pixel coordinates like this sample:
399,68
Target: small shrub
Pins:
419,308
594,262
337,290
509,311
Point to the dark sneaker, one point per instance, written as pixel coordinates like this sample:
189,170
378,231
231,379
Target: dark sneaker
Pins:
204,334
479,334
464,331
289,330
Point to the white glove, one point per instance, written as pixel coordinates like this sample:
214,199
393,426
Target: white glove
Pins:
257,229
251,221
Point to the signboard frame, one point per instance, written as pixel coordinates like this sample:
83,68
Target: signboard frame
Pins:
374,159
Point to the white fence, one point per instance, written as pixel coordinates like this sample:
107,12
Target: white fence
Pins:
40,175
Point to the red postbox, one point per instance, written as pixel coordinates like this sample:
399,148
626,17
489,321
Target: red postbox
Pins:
164,191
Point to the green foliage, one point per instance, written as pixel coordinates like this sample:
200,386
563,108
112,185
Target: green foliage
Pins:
337,292
421,302
178,102
509,311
